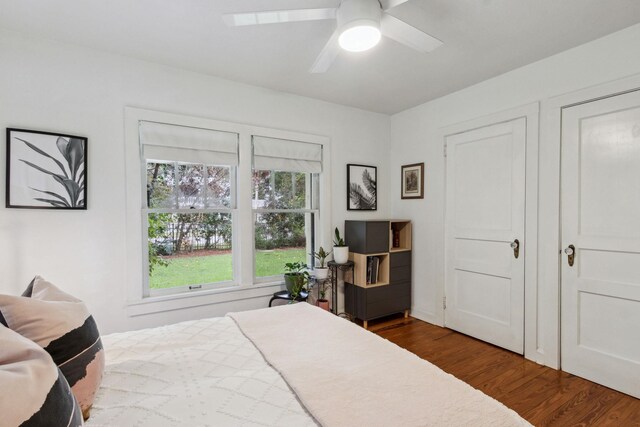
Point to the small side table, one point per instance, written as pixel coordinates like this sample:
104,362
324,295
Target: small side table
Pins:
334,267
284,295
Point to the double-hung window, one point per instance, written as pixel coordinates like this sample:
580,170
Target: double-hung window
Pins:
285,202
218,208
188,215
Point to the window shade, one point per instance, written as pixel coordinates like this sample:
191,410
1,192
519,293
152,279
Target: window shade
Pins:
187,144
285,155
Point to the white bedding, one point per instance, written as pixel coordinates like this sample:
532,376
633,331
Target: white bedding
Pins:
196,373
213,372
364,379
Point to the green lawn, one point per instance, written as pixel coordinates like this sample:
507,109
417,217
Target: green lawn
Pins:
217,268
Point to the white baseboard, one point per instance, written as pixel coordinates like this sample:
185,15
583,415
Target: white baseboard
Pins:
427,316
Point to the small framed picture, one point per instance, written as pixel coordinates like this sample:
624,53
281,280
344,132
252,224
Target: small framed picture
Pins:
413,181
362,188
46,170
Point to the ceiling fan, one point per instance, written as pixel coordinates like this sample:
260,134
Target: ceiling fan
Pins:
360,25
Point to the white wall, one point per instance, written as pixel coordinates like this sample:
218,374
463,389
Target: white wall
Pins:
55,87
415,136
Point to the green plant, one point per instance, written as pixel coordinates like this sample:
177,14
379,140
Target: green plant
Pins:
322,288
294,268
157,227
321,256
338,241
296,277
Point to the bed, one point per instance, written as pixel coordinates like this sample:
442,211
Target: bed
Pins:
293,365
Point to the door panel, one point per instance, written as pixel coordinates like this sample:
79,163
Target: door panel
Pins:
601,217
485,214
483,296
482,187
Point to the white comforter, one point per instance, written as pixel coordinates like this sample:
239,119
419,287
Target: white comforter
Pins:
372,382
197,373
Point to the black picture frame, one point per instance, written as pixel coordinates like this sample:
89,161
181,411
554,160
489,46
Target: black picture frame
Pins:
46,170
362,194
412,181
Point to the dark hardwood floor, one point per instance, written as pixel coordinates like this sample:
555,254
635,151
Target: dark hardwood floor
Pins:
543,396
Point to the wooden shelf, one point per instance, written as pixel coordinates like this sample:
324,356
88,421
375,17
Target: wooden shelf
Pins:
360,276
404,230
392,292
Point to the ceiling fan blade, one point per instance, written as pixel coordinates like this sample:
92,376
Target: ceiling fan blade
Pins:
410,36
388,4
327,56
278,16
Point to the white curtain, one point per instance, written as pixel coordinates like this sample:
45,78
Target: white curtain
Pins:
188,144
286,155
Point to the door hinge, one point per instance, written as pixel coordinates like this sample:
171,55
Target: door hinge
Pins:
444,150
444,303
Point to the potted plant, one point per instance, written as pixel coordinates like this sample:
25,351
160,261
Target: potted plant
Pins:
296,277
322,301
340,250
321,270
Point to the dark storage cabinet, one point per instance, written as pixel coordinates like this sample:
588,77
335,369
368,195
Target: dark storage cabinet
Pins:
391,293
401,259
367,237
371,303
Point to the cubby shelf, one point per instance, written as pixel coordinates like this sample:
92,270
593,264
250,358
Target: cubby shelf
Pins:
361,262
403,230
392,291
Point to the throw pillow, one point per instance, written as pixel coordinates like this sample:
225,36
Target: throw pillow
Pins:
62,325
35,393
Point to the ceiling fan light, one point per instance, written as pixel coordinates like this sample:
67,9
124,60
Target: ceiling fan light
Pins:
359,38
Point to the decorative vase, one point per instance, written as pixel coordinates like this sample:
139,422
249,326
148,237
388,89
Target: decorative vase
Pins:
323,304
321,273
341,254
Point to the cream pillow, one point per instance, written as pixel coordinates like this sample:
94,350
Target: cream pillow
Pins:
62,325
34,391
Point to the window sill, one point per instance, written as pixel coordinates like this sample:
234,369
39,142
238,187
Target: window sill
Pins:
157,304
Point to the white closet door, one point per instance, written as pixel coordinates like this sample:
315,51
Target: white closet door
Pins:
601,226
485,216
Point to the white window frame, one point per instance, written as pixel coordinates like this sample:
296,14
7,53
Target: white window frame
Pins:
245,285
192,287
315,210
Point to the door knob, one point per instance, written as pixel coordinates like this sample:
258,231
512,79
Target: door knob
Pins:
571,254
515,245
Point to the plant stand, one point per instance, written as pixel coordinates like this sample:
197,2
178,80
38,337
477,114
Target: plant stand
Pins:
334,269
319,283
284,295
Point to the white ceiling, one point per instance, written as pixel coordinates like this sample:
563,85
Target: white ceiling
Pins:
482,39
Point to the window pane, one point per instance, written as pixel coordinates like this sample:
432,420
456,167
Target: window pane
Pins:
281,238
191,191
160,185
189,249
218,186
281,190
190,186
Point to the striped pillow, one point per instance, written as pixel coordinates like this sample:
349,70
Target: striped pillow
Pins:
34,391
62,325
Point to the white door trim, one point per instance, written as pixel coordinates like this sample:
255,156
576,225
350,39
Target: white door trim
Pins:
549,233
531,113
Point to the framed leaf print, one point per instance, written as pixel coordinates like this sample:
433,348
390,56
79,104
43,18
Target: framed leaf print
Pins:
46,170
362,188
